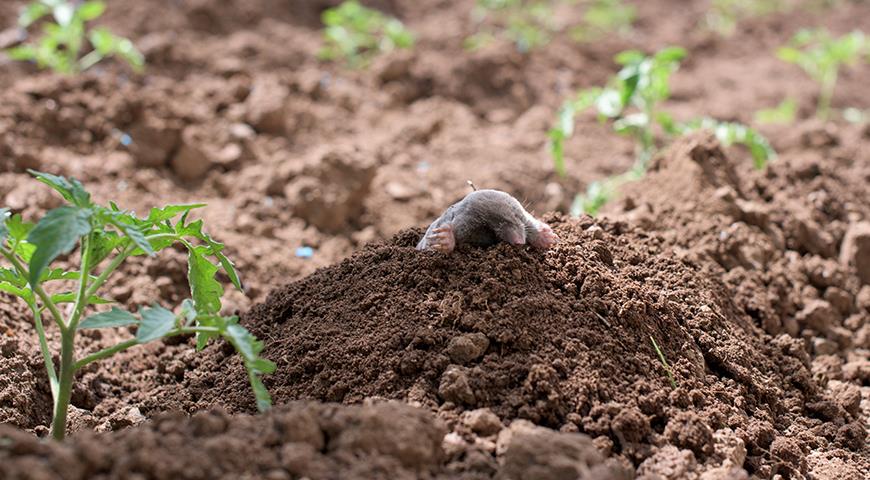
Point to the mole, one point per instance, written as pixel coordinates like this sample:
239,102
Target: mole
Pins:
484,218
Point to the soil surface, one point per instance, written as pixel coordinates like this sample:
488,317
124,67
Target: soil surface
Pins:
504,362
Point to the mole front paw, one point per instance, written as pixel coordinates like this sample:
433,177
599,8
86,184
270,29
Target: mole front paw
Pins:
545,238
441,239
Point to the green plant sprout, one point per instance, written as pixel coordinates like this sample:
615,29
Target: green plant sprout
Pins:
63,40
783,113
820,55
357,34
109,235
664,362
603,17
632,101
528,24
724,15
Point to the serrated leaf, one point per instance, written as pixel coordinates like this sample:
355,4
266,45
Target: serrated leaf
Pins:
204,288
56,234
70,297
12,277
156,323
230,270
58,274
17,291
102,244
264,400
134,233
18,228
115,317
202,339
71,189
169,212
247,345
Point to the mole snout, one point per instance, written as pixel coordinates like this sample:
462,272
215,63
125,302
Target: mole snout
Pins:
484,218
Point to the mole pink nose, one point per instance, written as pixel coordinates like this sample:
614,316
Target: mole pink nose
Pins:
515,238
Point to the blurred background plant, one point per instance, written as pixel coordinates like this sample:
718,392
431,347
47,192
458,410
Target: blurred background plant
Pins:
724,15
62,41
632,101
356,34
820,55
530,24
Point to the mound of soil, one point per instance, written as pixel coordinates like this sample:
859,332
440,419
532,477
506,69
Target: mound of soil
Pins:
563,339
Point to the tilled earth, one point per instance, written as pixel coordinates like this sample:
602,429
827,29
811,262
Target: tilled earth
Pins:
754,284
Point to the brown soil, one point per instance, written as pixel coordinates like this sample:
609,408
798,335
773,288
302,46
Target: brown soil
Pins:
756,285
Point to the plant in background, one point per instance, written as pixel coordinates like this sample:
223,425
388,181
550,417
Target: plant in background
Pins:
820,55
108,236
603,17
526,23
632,101
62,42
783,113
724,15
357,34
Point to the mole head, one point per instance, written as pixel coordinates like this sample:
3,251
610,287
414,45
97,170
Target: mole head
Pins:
510,229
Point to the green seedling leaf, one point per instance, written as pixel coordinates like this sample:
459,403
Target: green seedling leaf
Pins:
17,291
91,10
18,228
204,288
783,113
31,13
11,276
113,318
71,189
70,297
230,270
188,311
56,234
22,53
261,394
134,233
158,215
156,323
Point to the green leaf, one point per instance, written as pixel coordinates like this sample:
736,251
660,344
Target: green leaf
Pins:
12,277
21,53
18,228
91,10
169,212
261,394
783,113
71,190
17,291
70,297
56,234
230,269
134,233
789,54
670,54
156,323
113,318
204,288
31,13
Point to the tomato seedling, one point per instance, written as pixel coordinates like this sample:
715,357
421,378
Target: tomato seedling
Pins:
357,34
632,102
63,39
108,236
603,17
820,55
